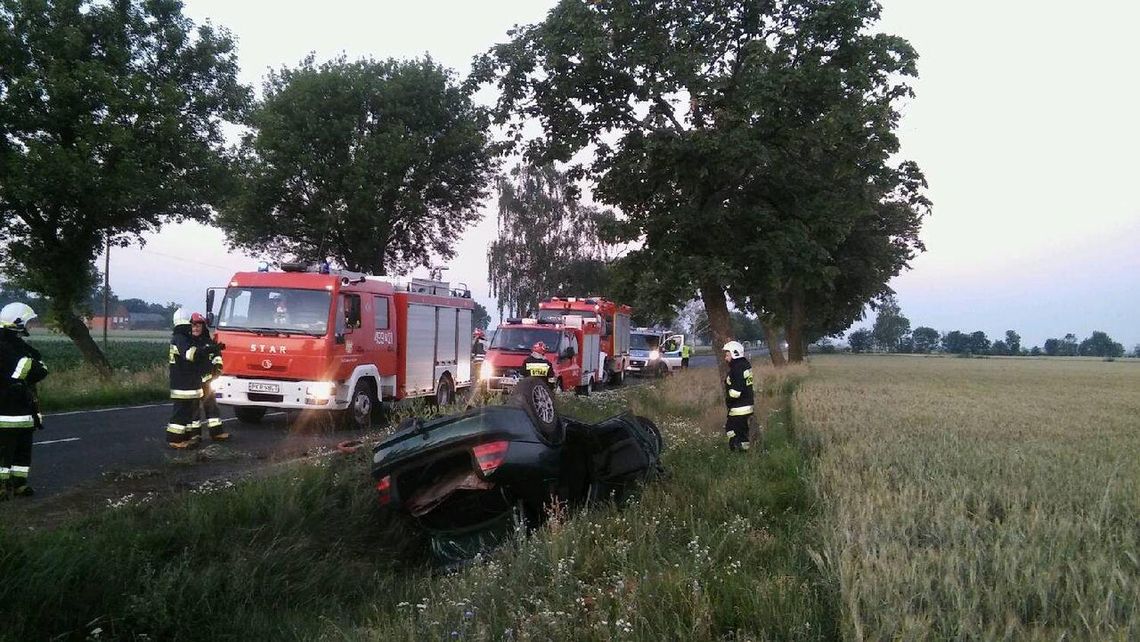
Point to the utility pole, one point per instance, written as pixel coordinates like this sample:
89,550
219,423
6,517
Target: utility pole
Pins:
106,288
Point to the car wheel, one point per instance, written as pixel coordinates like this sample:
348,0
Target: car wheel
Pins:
533,396
587,389
360,407
617,378
249,414
648,424
444,391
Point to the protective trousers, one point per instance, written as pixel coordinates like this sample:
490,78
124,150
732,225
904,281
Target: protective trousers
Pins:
212,414
737,427
183,429
15,460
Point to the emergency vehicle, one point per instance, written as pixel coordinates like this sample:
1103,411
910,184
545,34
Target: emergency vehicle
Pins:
305,339
654,352
573,348
613,320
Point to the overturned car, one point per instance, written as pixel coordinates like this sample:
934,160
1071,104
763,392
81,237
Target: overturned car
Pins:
472,479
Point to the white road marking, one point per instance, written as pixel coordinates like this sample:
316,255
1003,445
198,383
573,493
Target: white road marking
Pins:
83,412
54,441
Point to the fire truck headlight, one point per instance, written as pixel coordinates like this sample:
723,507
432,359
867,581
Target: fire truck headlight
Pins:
320,390
654,355
486,371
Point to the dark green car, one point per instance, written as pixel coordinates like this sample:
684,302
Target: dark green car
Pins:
472,479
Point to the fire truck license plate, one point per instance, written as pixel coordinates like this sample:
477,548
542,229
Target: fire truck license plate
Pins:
264,387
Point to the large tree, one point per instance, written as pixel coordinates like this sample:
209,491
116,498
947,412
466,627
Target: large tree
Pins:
720,128
111,118
925,339
548,242
377,165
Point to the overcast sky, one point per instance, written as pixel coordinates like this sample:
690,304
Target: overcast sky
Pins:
1024,123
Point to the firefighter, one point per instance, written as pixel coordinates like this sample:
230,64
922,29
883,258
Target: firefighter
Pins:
21,368
686,352
478,343
185,384
211,367
738,396
536,364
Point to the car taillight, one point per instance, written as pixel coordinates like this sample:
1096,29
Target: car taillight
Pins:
490,455
384,488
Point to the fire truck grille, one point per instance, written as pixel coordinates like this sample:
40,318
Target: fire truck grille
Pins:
261,396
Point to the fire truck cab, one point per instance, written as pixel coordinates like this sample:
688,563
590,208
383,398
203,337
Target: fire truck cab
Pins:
613,321
300,339
572,348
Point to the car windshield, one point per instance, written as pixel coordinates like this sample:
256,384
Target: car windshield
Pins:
521,339
275,310
644,341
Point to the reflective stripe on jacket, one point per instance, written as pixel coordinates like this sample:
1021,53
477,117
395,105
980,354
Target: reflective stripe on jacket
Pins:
738,392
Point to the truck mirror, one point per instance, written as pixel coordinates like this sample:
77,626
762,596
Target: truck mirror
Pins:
210,317
210,306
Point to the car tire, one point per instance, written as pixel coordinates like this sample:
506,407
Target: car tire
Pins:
250,414
444,392
616,378
534,397
586,390
361,405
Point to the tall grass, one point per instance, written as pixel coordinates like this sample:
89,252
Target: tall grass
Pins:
979,499
81,387
715,550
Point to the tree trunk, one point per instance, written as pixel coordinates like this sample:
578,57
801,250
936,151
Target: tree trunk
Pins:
772,338
796,321
77,331
712,294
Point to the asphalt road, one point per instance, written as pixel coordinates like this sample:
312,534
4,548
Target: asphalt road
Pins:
89,446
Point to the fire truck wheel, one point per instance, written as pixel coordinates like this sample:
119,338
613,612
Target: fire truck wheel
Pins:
249,414
533,396
616,378
360,407
444,392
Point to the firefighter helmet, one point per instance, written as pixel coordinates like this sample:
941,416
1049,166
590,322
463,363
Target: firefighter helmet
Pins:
197,318
181,317
538,347
15,317
734,348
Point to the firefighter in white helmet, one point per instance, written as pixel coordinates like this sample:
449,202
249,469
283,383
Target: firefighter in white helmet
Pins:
21,368
185,383
738,396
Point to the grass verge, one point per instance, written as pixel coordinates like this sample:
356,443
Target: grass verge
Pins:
717,550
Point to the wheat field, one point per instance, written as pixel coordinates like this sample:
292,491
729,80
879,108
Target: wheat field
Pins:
978,498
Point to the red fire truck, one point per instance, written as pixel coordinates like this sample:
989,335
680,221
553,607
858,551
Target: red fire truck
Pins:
614,321
301,339
572,348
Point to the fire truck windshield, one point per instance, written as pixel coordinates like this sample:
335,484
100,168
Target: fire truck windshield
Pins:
521,339
556,315
275,310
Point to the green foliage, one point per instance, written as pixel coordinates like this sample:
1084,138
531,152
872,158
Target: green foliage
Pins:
1066,347
861,340
132,356
890,325
379,165
480,318
548,243
1013,340
744,143
112,121
1100,345
925,339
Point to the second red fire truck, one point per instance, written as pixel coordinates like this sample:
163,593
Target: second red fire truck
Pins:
573,348
613,319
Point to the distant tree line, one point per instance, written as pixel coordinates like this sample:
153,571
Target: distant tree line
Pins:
892,333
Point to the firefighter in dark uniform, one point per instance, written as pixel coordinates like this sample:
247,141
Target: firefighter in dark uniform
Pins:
21,368
210,355
536,365
738,396
185,384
